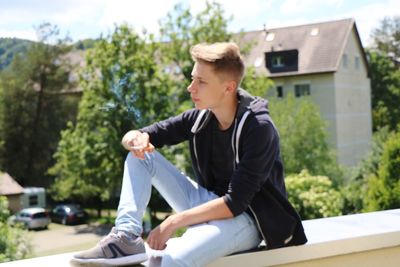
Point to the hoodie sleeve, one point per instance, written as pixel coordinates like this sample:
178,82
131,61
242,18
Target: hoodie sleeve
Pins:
171,131
259,154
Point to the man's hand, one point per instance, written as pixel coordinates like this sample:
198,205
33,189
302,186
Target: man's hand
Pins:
138,143
159,236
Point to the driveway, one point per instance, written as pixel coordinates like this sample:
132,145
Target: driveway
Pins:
60,238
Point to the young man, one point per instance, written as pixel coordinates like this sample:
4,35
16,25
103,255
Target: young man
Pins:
239,197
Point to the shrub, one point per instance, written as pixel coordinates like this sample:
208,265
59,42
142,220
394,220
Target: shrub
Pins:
313,196
384,188
355,190
14,242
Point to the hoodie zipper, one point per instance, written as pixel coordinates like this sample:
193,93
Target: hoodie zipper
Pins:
195,153
233,144
258,225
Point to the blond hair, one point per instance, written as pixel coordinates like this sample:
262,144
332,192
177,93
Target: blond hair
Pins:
224,57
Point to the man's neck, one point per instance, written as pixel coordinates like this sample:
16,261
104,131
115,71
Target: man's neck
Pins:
225,114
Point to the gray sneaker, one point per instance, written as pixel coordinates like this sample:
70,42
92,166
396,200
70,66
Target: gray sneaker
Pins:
114,249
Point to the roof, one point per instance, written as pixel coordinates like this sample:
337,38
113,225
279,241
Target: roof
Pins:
8,186
32,210
320,46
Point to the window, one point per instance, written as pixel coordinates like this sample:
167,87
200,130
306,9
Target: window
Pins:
33,200
302,90
282,61
270,36
357,62
345,60
279,91
277,61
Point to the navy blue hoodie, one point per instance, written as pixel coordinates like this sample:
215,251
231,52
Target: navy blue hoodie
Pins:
257,183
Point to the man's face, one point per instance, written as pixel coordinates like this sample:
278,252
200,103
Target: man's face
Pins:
207,89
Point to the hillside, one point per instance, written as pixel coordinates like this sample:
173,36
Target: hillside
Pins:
10,47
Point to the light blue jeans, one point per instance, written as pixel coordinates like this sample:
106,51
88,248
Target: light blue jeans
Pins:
201,243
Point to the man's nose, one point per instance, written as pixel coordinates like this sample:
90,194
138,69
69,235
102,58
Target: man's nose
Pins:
190,88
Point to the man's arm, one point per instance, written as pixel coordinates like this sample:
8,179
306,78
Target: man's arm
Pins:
213,210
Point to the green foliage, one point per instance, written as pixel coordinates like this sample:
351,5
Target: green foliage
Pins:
10,47
4,212
33,108
313,196
124,89
257,85
384,188
180,30
385,90
385,73
386,37
14,242
375,185
303,137
85,44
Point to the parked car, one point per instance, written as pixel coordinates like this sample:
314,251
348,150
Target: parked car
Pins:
31,218
68,214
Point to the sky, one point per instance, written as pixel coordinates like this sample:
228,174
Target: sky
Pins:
82,19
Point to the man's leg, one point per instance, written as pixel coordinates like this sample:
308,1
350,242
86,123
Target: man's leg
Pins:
178,190
123,245
202,244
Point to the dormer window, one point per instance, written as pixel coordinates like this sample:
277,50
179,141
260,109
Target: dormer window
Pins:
282,61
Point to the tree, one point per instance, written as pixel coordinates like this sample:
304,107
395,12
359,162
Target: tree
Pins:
179,31
10,47
386,38
385,90
123,88
313,196
33,110
355,188
384,188
255,84
384,60
303,135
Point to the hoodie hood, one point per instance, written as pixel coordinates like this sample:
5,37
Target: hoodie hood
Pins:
253,103
247,104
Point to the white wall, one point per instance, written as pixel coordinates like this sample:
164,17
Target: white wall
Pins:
353,106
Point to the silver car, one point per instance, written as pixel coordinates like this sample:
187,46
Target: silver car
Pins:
31,218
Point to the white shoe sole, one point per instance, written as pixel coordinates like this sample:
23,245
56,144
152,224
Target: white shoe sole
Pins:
128,260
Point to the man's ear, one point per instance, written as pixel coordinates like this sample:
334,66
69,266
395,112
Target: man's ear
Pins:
231,86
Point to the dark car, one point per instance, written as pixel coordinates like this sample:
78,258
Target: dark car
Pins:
68,214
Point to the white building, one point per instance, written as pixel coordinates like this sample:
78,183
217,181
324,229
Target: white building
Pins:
327,62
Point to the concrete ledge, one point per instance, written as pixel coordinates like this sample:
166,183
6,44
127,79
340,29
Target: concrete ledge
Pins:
369,239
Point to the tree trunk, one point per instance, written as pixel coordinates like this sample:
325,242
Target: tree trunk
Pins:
35,124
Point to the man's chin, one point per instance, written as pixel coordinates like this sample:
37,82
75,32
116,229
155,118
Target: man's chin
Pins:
198,106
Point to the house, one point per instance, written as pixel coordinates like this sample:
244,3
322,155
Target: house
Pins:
12,190
19,197
325,61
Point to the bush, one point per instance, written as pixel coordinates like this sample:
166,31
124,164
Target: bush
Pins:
375,183
313,196
383,190
355,190
14,242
